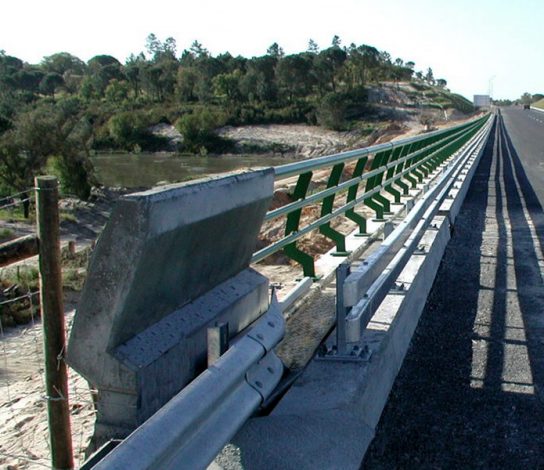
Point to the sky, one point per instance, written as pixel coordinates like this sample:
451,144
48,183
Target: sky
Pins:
476,45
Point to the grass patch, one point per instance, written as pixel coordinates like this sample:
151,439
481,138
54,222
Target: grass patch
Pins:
15,214
5,234
66,216
26,277
539,104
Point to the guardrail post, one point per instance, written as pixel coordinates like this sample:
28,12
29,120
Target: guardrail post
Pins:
342,272
56,379
218,341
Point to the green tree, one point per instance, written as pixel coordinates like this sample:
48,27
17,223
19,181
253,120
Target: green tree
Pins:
50,82
63,62
274,50
50,130
328,64
198,130
227,86
293,75
429,77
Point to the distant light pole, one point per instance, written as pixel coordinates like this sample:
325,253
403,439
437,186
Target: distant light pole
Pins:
490,90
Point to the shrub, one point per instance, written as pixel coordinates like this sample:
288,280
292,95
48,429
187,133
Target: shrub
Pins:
74,173
198,130
130,129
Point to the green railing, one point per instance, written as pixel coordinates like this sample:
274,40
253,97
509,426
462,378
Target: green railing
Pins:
394,169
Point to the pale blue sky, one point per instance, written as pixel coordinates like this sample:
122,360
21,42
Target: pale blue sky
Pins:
467,42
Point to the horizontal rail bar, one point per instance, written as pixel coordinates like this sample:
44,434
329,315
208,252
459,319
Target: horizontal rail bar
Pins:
312,199
361,279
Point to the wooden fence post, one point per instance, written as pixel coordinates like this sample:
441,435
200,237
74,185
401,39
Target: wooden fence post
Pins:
56,378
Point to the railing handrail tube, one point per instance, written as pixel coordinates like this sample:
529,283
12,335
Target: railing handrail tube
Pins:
263,253
353,181
293,169
357,282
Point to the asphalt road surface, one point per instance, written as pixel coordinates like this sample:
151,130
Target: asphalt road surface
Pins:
470,394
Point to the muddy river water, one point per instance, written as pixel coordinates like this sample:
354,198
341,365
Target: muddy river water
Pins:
147,169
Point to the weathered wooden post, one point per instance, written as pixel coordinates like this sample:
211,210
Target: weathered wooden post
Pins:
56,379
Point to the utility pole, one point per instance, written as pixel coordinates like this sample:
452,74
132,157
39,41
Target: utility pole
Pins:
54,338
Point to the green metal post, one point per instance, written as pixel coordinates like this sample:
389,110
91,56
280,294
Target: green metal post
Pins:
352,195
292,225
326,208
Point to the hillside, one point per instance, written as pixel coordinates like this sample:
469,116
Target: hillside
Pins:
54,114
539,104
394,110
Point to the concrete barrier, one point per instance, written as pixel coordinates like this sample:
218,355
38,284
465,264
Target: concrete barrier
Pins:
170,262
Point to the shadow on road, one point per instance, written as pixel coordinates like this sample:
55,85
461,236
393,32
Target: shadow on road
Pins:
469,394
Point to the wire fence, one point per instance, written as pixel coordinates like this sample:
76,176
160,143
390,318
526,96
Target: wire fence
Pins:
24,435
24,432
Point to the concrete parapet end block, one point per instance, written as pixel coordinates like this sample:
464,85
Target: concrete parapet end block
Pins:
160,257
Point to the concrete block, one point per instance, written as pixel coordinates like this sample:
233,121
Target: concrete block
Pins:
170,262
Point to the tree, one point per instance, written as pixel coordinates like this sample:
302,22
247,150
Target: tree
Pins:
50,82
313,48
133,71
227,86
293,75
198,130
50,130
259,82
429,77
187,79
441,83
101,70
198,50
275,51
328,64
117,91
63,62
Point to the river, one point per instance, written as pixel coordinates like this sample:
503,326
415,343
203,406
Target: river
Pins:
147,169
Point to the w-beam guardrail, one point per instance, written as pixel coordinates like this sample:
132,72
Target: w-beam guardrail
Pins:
391,168
189,431
360,293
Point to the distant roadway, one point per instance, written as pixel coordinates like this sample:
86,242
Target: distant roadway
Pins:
470,393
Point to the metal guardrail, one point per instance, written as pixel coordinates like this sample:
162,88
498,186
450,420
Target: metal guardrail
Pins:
189,431
394,169
360,293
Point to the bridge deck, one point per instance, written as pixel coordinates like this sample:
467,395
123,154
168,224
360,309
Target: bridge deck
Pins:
471,391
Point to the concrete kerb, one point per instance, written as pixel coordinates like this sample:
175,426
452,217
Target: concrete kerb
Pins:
328,418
